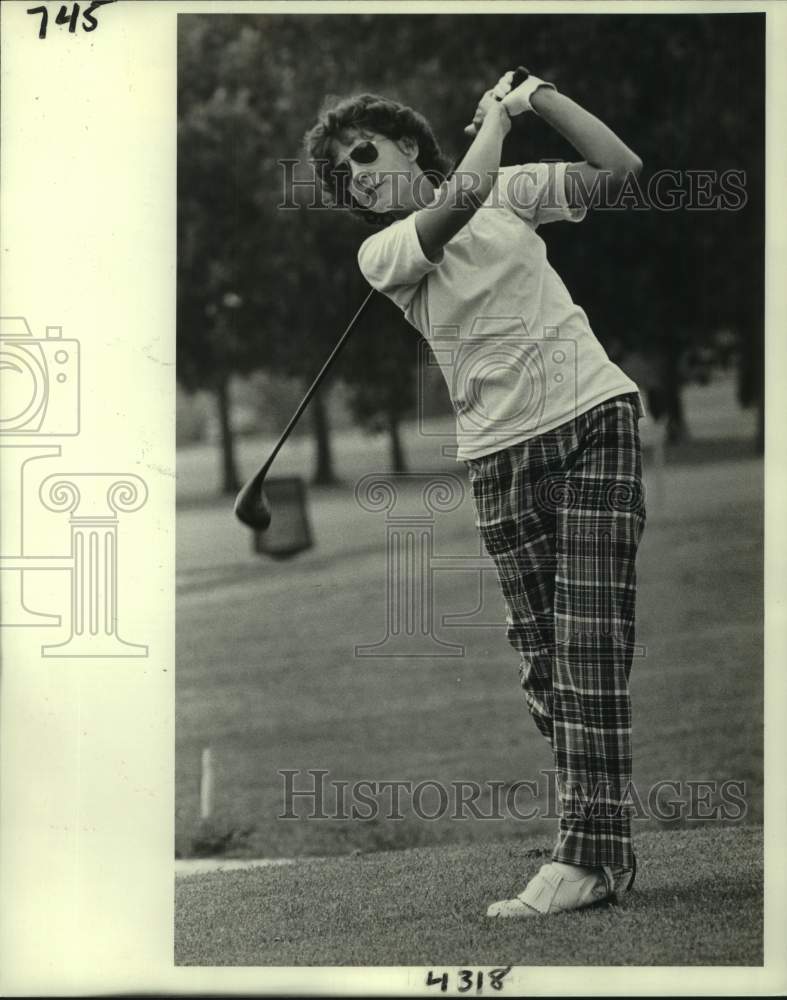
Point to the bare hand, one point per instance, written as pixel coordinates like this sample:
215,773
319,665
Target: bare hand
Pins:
493,96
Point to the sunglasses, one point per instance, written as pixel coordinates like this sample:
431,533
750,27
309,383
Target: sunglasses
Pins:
364,152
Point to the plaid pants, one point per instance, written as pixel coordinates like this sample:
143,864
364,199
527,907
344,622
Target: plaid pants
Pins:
561,515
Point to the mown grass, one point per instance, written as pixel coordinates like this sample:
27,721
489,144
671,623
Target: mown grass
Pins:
697,901
267,676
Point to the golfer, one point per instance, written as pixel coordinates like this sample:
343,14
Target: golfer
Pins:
546,424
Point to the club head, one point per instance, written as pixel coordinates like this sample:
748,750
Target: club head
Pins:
252,506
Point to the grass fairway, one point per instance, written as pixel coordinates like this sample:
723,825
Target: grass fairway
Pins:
268,677
697,901
271,686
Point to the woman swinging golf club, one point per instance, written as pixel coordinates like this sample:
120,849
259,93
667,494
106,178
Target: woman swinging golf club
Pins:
547,425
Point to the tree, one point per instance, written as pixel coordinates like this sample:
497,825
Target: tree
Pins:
221,304
686,93
380,369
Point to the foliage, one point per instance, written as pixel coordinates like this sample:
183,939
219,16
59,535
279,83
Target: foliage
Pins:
686,92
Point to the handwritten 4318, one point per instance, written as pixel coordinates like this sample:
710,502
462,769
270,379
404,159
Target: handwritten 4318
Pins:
466,979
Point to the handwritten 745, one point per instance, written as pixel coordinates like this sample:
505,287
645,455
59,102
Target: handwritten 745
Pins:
64,16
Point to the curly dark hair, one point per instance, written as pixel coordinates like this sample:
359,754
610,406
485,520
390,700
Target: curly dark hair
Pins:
366,114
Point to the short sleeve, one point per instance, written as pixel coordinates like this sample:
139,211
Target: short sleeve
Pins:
537,192
393,261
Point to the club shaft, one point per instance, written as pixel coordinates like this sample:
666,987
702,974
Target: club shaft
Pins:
315,384
259,477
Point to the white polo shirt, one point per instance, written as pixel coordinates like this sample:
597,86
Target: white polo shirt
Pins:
518,355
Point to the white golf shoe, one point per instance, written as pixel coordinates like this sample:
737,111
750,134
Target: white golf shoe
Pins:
555,890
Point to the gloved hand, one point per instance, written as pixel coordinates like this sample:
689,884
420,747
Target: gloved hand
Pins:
517,101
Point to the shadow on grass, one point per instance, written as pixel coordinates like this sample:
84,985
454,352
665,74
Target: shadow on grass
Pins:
213,838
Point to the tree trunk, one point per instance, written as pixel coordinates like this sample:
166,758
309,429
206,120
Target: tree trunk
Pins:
398,461
230,482
677,431
323,456
751,375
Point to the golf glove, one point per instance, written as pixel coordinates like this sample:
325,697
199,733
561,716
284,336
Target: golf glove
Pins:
517,101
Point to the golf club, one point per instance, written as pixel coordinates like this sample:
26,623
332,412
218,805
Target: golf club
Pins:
251,505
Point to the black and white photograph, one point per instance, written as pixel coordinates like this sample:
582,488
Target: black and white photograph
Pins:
391,427
470,334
